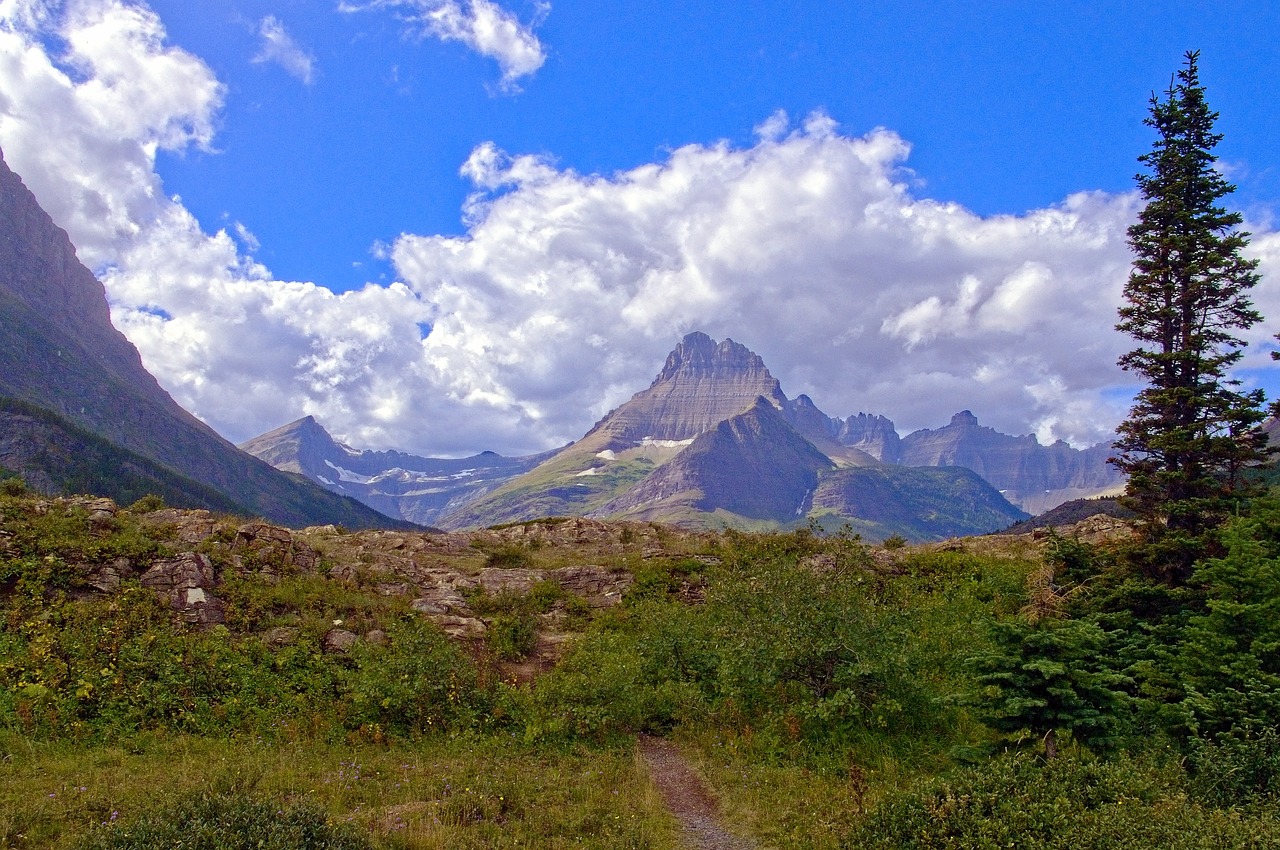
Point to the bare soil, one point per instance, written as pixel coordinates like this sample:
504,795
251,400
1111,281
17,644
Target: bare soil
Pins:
688,798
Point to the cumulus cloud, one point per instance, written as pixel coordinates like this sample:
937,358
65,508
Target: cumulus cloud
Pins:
279,47
808,247
482,25
812,246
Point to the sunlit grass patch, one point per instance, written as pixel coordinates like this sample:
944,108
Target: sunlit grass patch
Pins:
476,793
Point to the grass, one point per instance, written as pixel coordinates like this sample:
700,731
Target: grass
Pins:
435,793
820,687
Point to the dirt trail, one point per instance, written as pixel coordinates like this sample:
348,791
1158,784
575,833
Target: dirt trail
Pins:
687,798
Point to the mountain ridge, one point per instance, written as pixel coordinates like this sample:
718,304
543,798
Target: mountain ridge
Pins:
60,354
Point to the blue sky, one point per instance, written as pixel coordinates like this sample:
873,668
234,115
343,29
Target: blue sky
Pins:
1008,107
905,208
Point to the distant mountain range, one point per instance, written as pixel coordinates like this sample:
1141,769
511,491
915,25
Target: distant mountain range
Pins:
715,442
80,413
712,442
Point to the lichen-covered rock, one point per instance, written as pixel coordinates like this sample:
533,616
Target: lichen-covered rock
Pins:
442,599
106,578
280,636
338,641
459,627
185,583
600,587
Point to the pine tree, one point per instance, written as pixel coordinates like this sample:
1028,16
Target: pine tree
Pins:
1192,429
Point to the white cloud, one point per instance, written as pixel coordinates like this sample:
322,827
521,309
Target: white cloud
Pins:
246,237
807,247
482,25
567,290
279,47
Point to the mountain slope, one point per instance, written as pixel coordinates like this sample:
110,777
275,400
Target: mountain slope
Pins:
918,503
59,352
753,465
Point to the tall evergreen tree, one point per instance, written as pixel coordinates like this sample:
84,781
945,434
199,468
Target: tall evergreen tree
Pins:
1192,429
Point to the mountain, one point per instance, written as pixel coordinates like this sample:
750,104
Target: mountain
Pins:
67,367
754,466
913,502
713,441
1032,476
701,384
418,489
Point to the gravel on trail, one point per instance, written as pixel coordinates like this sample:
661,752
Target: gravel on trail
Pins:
688,798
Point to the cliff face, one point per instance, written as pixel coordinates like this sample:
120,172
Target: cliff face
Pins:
874,435
60,353
702,384
1034,476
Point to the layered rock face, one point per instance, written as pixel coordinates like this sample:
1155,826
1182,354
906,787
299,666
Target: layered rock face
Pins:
60,353
702,384
874,435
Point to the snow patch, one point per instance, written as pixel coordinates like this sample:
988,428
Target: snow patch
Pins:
348,475
665,444
595,470
607,454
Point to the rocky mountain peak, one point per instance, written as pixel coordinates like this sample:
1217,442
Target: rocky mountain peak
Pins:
964,419
699,355
702,383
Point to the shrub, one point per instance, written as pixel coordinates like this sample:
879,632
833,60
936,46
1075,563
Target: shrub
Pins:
12,486
894,541
419,682
1073,801
149,503
1235,769
512,636
227,821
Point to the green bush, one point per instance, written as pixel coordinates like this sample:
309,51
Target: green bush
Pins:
149,503
419,682
228,822
1235,769
12,485
1071,802
512,636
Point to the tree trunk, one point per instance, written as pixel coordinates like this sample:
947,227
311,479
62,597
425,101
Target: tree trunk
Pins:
1050,744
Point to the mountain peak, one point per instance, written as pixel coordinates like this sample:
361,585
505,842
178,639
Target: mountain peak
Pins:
699,354
702,383
965,418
